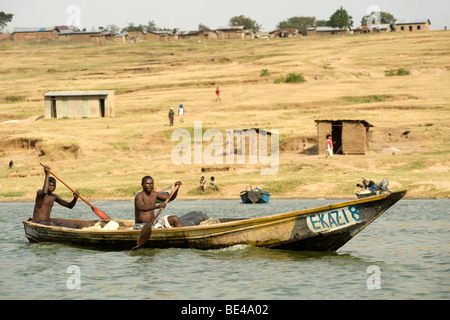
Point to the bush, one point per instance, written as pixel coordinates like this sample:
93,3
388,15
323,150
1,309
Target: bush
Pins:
265,73
292,77
398,72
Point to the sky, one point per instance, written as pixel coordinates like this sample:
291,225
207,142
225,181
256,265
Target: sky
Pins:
188,14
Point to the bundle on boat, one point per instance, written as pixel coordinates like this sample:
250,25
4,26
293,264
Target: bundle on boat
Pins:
368,188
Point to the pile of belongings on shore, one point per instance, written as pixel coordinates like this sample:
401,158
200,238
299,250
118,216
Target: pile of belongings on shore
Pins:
369,188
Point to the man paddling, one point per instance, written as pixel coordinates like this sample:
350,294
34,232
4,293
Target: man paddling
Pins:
145,204
44,203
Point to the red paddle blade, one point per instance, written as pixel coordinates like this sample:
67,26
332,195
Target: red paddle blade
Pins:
100,213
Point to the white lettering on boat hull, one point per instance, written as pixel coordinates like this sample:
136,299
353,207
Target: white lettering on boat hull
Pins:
333,220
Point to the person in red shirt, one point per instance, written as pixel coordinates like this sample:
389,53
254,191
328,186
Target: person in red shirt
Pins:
217,94
329,147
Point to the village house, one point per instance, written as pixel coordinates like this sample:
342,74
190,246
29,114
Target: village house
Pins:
326,31
5,36
79,104
385,27
284,33
414,25
348,136
162,35
262,35
120,37
35,34
378,28
186,35
233,32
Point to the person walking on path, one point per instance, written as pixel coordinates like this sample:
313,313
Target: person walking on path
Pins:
181,112
218,94
171,115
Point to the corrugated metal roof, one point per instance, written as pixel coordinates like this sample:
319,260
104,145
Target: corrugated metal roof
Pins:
33,29
231,28
413,21
76,93
364,122
328,29
187,33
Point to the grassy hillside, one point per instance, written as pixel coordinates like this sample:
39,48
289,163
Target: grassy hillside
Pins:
346,78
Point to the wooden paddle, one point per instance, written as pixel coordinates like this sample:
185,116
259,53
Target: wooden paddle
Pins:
146,230
96,210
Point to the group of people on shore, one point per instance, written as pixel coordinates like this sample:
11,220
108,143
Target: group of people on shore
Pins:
144,204
212,184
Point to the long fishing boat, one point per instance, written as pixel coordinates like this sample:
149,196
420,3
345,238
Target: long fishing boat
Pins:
325,228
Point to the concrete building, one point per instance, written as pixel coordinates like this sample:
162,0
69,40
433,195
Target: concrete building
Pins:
79,104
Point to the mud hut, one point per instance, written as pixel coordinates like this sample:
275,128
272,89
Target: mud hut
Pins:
79,104
35,34
349,136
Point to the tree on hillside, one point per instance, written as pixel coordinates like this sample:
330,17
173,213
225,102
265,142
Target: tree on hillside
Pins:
132,27
322,23
340,19
112,28
384,18
299,23
151,26
4,19
203,28
248,23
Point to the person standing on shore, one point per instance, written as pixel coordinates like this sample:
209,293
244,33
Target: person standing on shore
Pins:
329,147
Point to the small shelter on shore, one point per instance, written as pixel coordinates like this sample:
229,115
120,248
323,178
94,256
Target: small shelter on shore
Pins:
79,104
348,136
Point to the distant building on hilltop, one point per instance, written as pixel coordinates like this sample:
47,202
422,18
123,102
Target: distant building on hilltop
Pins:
413,25
284,33
233,32
35,34
326,31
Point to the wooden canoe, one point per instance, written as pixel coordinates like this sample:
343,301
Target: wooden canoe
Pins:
325,228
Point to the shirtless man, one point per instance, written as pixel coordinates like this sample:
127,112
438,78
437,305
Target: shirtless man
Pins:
145,204
44,203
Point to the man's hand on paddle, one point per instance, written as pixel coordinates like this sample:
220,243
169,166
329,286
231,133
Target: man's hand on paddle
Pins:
178,183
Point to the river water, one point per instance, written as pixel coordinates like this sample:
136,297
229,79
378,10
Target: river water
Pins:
404,254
